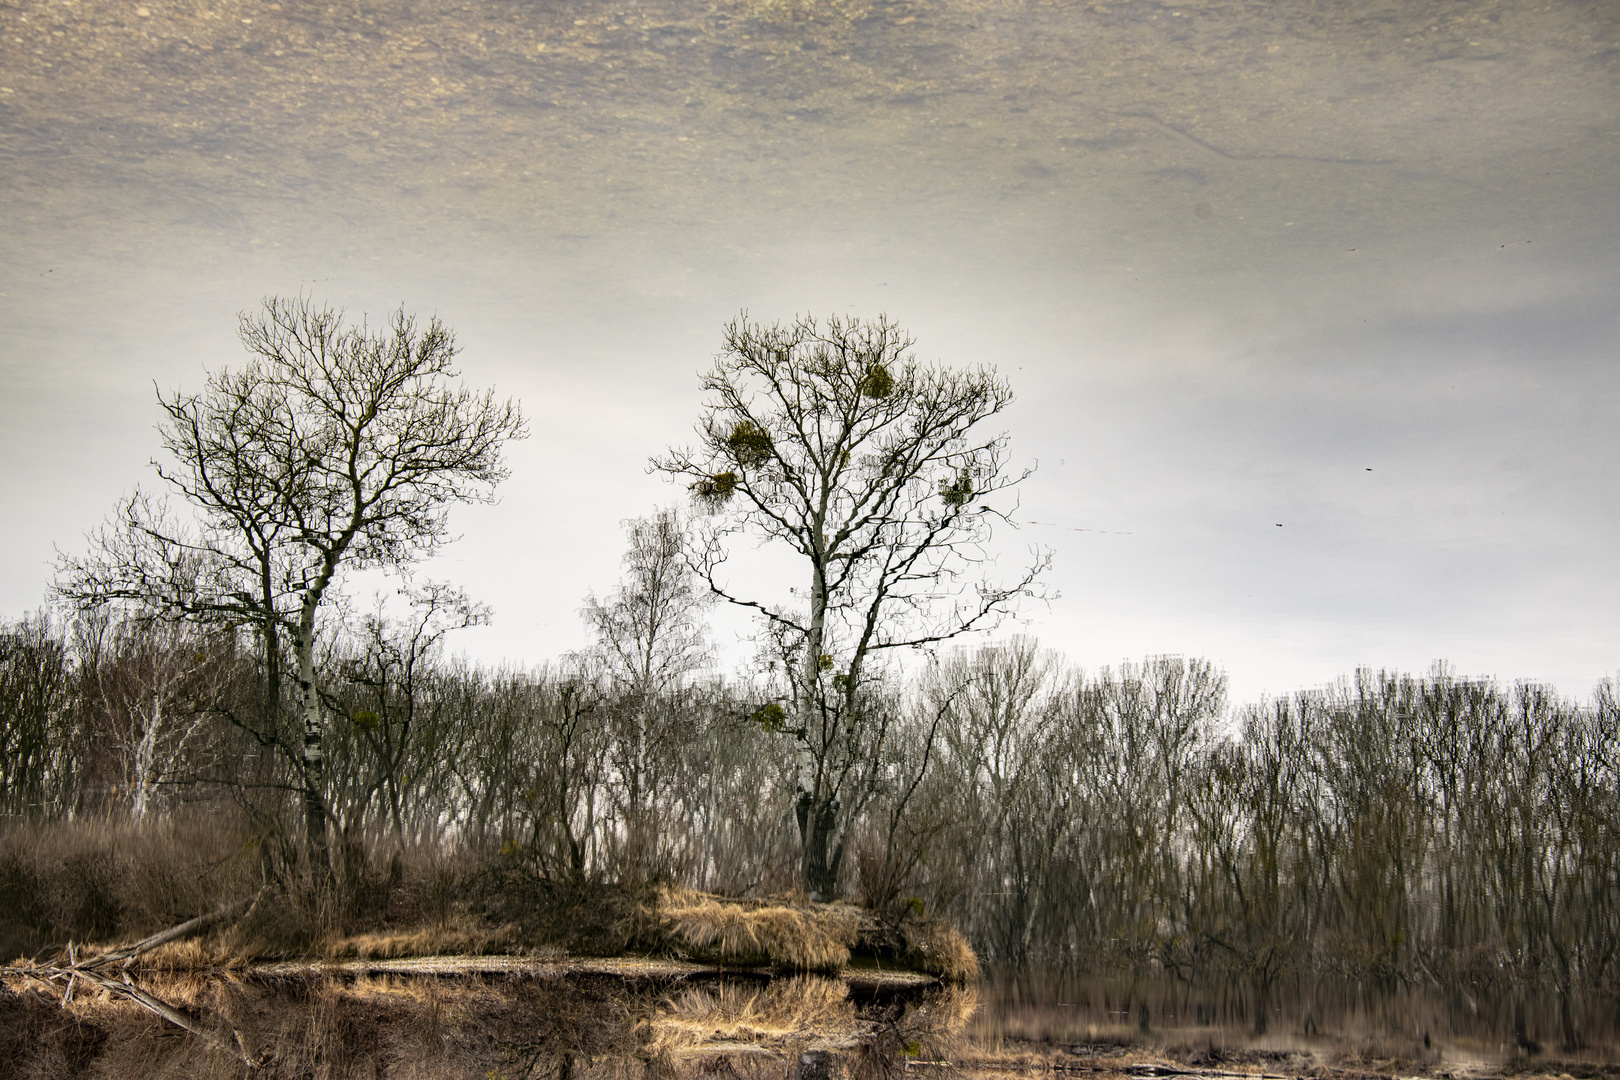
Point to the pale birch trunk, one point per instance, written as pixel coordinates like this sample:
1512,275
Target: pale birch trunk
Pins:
145,751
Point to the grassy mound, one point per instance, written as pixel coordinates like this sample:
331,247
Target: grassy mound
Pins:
807,937
919,944
103,884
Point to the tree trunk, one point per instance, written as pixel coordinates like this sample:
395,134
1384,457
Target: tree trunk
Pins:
817,814
145,753
270,639
822,847
313,760
1262,1003
1571,1038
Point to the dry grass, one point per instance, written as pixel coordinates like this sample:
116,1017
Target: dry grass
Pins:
393,1025
906,1031
783,1017
947,1013
805,937
411,1027
808,937
96,880
917,944
102,883
212,953
939,949
430,941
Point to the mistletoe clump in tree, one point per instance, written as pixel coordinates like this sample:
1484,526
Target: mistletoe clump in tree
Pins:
829,440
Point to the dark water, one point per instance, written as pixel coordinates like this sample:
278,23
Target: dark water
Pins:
1334,1021
485,1025
284,1020
1233,254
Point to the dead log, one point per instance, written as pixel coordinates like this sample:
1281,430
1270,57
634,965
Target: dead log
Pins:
174,933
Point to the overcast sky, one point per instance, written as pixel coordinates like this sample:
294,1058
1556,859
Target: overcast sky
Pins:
1310,308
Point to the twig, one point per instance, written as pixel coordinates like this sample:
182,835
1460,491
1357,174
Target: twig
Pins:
73,962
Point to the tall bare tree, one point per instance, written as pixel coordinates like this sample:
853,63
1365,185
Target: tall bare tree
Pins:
831,441
335,447
650,639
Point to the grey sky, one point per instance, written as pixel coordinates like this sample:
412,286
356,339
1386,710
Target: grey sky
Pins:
1231,255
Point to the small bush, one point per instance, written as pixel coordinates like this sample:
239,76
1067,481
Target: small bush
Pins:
919,944
586,918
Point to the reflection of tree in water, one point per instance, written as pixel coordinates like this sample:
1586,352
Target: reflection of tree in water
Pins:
570,1028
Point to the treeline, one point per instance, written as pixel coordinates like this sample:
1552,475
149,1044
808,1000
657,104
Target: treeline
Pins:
580,775
1389,833
1392,831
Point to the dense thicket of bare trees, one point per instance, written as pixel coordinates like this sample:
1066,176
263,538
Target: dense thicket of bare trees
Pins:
1391,831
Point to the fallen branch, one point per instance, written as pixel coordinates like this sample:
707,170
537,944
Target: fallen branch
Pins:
92,971
51,975
626,967
174,933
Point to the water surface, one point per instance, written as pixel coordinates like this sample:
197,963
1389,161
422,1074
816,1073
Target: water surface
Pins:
1233,254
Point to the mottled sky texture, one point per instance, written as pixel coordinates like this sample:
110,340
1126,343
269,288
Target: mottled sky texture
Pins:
1311,308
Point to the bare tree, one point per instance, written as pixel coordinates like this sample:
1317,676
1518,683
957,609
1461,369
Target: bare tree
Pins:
650,638
334,447
997,745
650,629
829,440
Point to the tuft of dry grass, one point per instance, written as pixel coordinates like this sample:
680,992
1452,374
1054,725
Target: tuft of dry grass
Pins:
212,953
929,946
806,937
